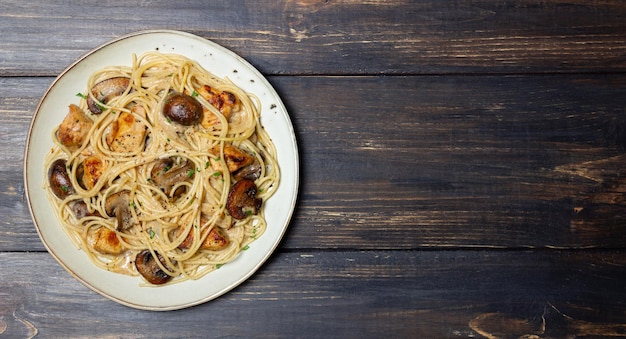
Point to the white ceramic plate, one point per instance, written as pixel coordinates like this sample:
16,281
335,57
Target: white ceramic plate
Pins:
53,108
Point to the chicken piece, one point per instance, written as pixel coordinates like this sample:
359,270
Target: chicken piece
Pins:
235,158
225,102
127,134
105,241
215,240
74,128
92,169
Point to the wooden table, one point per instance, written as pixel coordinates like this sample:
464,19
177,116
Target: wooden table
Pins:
461,168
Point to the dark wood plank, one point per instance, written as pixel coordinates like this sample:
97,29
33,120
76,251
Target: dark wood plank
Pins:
336,37
426,294
399,163
461,161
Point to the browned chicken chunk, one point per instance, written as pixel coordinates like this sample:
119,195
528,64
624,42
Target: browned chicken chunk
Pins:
225,102
92,169
215,240
74,128
127,134
105,241
234,157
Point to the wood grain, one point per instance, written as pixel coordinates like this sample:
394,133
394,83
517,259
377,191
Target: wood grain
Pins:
336,37
502,159
376,293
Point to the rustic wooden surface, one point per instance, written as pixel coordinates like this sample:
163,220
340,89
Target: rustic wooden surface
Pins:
461,168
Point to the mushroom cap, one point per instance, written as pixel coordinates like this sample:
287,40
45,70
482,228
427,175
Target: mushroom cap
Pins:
242,200
149,269
165,174
59,180
80,209
106,90
251,171
182,109
118,205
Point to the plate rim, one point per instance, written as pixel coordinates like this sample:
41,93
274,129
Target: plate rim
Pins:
296,173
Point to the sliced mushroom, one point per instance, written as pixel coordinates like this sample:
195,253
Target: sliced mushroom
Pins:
149,269
74,128
105,241
166,174
182,109
59,180
242,200
80,175
118,205
215,239
252,171
106,90
79,207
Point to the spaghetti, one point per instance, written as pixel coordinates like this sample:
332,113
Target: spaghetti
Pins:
161,169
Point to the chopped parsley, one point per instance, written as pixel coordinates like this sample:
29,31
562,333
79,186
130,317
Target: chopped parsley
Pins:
81,95
151,233
100,105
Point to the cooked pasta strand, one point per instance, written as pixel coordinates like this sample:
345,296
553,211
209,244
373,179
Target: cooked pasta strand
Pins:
159,185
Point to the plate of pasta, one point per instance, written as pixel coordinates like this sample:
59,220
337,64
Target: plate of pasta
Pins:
161,170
